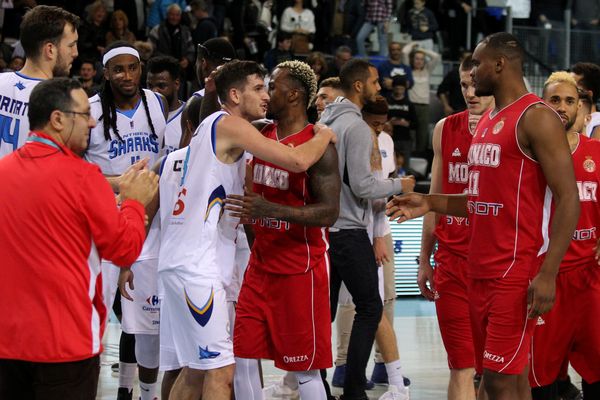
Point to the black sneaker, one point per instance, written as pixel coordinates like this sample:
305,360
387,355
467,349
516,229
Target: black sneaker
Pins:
124,394
568,391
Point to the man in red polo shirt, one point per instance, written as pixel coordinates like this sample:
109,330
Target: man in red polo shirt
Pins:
58,221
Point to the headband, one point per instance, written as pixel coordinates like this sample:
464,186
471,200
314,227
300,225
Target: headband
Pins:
117,51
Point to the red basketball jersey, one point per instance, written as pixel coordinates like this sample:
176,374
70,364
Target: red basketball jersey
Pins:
282,247
452,232
509,203
586,161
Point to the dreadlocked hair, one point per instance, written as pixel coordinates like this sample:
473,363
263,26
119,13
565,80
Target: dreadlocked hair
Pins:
109,108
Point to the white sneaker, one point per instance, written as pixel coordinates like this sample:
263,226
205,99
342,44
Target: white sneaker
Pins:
281,391
394,394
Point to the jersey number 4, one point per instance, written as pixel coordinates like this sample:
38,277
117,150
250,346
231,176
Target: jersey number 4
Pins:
9,137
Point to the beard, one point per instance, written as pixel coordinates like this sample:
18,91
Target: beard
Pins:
61,68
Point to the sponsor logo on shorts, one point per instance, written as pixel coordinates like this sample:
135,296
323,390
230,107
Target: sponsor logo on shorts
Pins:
153,304
205,354
493,357
201,314
295,359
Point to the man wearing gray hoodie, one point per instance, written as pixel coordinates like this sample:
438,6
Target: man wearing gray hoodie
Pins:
351,252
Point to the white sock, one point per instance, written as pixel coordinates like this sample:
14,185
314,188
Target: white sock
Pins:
310,385
127,375
394,373
148,390
289,379
246,379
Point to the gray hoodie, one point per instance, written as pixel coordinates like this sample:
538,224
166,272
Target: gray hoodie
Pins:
354,146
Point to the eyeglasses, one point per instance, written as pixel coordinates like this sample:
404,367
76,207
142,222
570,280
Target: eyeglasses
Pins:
87,114
207,54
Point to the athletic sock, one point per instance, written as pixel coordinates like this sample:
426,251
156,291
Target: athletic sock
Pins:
246,380
394,373
127,375
148,390
289,379
310,385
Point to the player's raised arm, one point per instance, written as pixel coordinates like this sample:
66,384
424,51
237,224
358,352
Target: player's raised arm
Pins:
241,134
542,135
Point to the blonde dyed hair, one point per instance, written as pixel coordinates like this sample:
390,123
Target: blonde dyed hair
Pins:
560,77
304,74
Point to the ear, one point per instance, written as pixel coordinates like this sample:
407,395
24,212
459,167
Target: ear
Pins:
49,51
235,96
358,86
57,120
177,83
500,62
105,73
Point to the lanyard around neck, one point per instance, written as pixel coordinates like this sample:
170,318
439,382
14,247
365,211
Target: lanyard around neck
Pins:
45,141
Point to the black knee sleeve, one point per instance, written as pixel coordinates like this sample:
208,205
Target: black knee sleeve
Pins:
590,390
549,392
127,348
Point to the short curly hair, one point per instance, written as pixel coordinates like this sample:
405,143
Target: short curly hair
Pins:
304,75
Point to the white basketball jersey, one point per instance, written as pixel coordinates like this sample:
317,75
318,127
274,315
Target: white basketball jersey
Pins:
15,89
173,130
197,234
114,156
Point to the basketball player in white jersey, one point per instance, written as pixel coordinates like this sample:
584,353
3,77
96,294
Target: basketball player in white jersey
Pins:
49,38
210,55
197,253
163,77
131,125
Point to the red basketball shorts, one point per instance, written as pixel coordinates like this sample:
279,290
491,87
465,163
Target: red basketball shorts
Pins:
285,318
452,307
570,330
501,331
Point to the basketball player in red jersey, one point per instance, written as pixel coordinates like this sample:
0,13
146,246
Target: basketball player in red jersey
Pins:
519,163
283,307
448,285
563,333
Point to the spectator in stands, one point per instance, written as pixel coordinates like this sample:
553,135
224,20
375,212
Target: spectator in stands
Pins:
421,24
586,17
16,63
92,33
318,64
300,22
119,29
549,16
172,38
393,66
206,26
449,91
160,9
87,73
280,53
587,76
136,11
354,17
378,13
457,13
343,54
324,15
402,116
423,62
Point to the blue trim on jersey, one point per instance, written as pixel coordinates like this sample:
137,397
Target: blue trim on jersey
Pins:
130,113
185,165
213,134
162,165
178,112
162,106
27,77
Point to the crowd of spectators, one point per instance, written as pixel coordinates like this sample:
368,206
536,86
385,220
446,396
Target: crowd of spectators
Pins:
324,33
